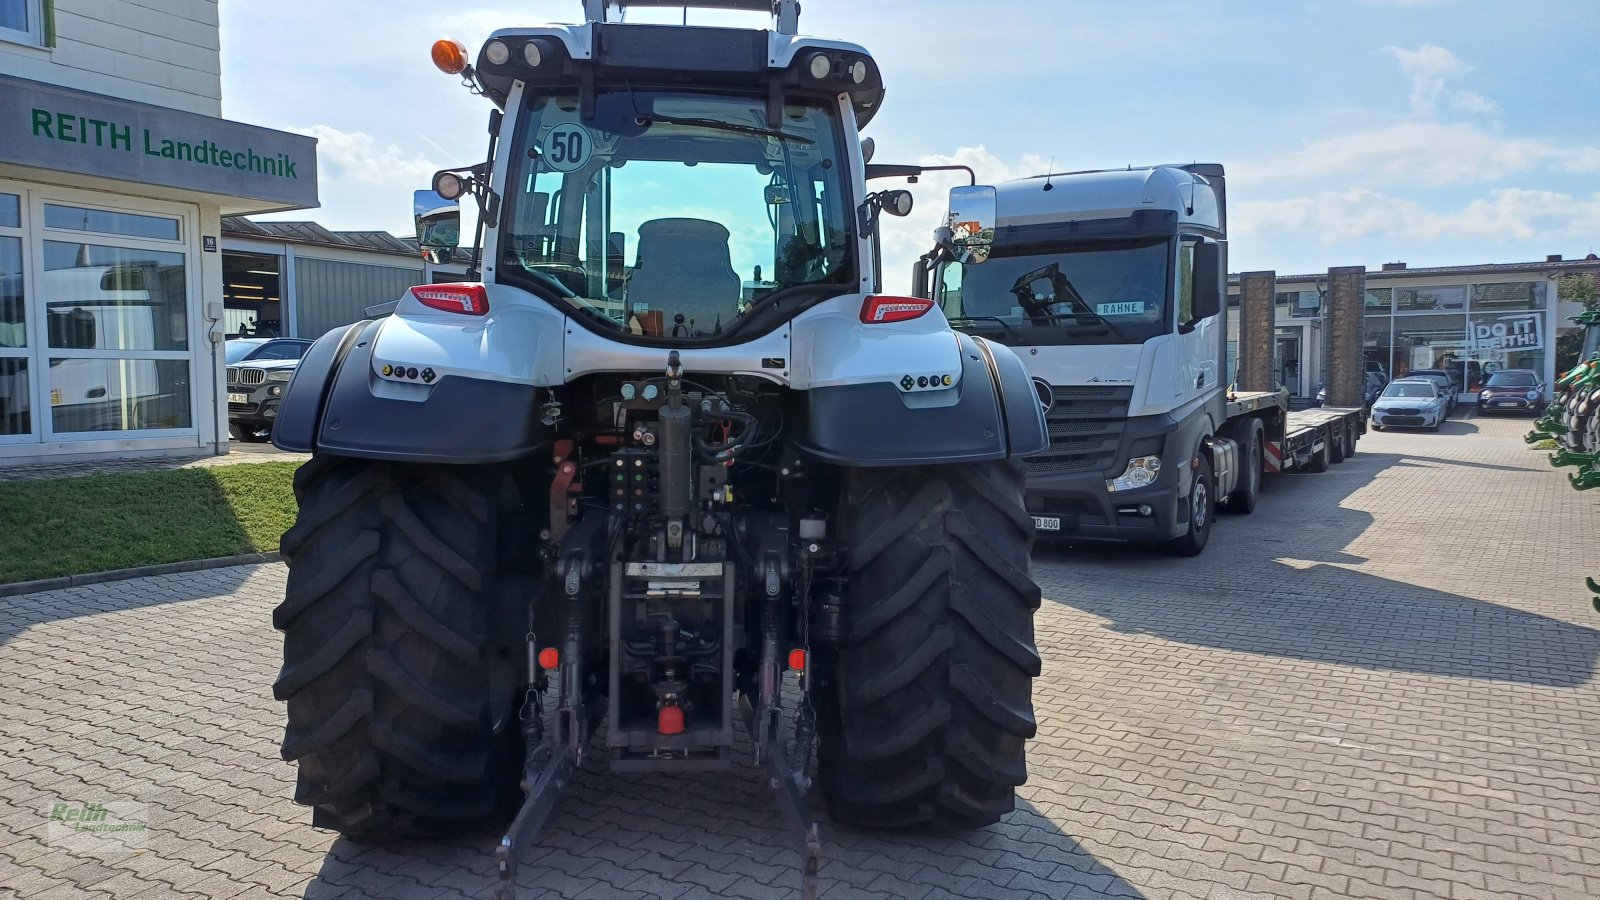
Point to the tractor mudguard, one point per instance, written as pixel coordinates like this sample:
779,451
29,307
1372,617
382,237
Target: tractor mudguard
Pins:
301,409
991,413
343,408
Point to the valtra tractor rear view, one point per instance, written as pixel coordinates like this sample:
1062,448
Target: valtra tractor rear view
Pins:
668,442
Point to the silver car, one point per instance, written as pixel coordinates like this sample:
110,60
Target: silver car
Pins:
1410,403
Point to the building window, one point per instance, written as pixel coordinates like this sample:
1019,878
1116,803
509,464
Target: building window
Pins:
1302,304
14,386
1431,342
104,221
251,295
1379,300
22,22
1377,345
1512,295
1430,299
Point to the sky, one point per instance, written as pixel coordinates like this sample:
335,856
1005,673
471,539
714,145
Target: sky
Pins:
1354,132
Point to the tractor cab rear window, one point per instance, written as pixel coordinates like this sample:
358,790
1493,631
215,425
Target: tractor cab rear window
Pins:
675,215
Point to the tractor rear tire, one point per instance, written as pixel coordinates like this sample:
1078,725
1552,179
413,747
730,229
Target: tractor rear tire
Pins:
930,702
399,656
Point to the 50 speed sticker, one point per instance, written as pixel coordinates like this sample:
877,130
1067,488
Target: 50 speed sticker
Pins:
566,147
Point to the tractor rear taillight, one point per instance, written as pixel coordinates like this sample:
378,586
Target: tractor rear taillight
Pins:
466,299
878,310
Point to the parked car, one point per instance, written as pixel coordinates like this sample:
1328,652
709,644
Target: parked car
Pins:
1369,394
1449,384
1410,403
256,385
1512,389
244,349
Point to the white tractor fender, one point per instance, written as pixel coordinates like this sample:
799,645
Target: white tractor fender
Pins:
519,341
833,347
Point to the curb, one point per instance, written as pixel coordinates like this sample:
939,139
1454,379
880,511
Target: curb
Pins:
192,565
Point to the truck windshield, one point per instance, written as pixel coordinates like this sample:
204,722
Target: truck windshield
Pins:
675,215
1101,292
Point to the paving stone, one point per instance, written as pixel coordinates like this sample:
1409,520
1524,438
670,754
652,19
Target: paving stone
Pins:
1380,684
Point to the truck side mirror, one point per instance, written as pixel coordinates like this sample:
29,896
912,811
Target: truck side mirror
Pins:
919,280
438,224
970,223
1207,280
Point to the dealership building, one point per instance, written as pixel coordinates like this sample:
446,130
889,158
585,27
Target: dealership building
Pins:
116,171
1471,320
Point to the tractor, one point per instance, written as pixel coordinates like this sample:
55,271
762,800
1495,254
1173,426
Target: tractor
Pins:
665,450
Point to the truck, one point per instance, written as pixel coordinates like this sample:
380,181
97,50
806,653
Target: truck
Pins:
669,459
1111,287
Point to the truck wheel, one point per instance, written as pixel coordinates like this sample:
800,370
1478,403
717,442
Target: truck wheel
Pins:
1202,510
931,700
1350,438
1243,500
398,663
1336,438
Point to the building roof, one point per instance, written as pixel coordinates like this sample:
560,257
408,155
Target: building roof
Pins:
1549,267
310,233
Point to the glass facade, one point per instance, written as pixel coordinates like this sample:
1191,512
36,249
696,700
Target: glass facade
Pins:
1471,331
95,322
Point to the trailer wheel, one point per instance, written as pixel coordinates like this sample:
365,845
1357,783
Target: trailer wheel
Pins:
929,700
1243,500
1319,459
1336,439
1350,438
1202,509
398,654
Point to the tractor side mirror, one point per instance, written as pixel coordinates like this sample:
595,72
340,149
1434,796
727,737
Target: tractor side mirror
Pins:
438,224
970,223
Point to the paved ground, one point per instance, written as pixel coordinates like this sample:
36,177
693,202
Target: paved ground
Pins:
1380,685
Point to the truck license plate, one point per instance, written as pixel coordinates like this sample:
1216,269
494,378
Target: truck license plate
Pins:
238,398
1047,523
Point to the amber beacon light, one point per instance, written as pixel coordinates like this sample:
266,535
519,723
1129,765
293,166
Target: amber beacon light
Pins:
450,56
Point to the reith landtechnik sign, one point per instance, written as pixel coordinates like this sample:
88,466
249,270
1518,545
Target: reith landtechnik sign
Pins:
72,131
64,126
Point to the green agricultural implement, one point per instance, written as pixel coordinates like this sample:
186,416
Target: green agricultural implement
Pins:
1572,420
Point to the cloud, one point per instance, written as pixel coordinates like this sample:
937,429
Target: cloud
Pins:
1426,152
357,156
1427,66
903,240
1472,102
1504,215
364,183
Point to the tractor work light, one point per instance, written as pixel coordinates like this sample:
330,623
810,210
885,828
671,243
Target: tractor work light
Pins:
450,56
449,185
858,71
531,54
497,53
820,66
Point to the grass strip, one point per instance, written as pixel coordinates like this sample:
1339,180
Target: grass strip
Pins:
69,526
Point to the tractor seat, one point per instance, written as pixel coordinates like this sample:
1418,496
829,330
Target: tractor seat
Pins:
683,268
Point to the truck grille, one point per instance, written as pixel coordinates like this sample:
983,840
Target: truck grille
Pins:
1085,430
252,376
